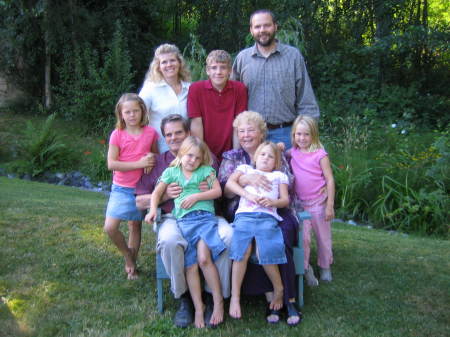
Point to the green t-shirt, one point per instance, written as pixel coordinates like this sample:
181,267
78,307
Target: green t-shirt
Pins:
174,174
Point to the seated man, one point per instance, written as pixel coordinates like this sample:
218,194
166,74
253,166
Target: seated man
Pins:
171,244
214,103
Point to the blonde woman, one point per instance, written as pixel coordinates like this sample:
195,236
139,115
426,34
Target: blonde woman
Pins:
165,87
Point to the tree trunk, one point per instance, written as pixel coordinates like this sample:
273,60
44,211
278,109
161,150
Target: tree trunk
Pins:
48,73
48,60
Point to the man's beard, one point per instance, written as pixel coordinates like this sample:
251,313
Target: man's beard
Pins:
268,42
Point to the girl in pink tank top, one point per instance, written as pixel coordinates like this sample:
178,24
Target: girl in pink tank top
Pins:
314,188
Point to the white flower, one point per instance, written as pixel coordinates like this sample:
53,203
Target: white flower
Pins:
403,132
394,126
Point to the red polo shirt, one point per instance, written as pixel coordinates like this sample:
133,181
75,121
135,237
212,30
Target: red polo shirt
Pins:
217,110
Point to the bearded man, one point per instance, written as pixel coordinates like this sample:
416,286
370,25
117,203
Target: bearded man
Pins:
275,74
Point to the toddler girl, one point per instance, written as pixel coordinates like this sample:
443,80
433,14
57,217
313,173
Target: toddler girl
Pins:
195,214
314,187
256,218
129,150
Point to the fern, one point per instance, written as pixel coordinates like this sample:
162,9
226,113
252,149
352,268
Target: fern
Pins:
41,149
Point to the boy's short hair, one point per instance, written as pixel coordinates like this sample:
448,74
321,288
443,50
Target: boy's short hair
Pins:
219,56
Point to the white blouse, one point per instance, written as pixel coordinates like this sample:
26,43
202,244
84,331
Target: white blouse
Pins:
162,101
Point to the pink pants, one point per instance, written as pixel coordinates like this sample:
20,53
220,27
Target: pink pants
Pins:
322,231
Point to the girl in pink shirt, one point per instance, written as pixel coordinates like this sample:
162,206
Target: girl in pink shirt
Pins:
314,188
129,153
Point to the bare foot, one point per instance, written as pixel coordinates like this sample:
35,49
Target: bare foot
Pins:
199,322
217,315
277,300
235,308
130,267
133,276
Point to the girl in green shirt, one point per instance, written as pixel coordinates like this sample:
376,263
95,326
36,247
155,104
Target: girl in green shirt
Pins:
195,214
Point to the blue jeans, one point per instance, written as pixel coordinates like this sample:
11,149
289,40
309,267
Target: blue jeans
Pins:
280,135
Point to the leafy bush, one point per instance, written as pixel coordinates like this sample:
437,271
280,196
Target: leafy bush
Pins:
195,56
95,165
402,208
40,150
393,175
439,171
350,182
90,87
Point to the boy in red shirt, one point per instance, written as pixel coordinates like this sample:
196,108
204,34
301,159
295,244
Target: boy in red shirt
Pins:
212,104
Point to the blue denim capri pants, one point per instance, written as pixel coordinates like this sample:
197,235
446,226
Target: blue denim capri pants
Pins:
268,236
198,225
122,204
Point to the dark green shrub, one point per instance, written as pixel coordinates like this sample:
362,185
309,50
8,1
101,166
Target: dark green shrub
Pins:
439,171
195,56
91,86
40,150
351,187
95,164
402,208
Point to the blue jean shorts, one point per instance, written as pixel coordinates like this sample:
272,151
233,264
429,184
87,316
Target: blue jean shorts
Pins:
268,236
122,204
198,225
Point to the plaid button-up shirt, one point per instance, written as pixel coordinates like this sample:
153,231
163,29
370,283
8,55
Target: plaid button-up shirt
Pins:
279,87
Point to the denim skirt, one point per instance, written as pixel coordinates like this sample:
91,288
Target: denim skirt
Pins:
122,204
198,225
264,229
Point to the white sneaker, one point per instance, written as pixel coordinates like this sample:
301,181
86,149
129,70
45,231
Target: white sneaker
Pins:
325,275
310,278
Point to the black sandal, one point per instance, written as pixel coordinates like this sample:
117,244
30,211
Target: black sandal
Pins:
272,312
293,312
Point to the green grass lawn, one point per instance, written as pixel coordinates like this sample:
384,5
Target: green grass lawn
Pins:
60,276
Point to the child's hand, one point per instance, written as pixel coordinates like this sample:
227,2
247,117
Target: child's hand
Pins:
266,202
150,217
189,201
148,160
329,213
148,169
281,146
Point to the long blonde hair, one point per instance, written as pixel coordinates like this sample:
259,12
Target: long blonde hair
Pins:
313,128
154,74
276,151
120,123
187,144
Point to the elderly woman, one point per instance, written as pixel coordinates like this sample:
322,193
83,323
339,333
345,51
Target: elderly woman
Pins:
251,131
165,87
